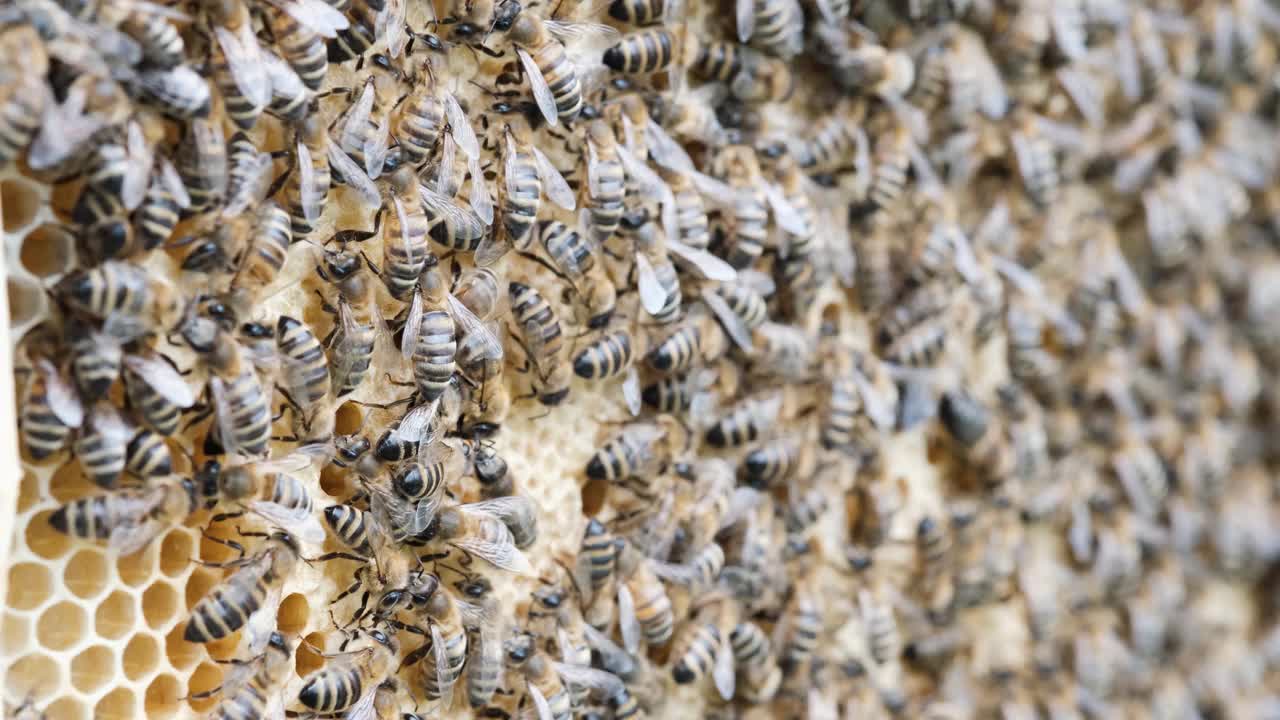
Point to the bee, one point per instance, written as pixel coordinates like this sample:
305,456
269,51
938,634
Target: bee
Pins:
237,63
482,530
251,688
430,336
484,661
765,80
130,300
481,362
683,393
20,115
103,443
748,217
702,648
307,186
746,422
352,346
553,79
638,12
697,338
775,26
477,17
130,518
980,435
782,350
597,557
352,679
891,163
448,644
51,410
290,96
179,91
452,225
548,682
364,18
638,451
404,244
240,401
656,278
802,621
772,462
647,51
351,526
162,206
306,369
418,119
1035,160
116,179
299,30
575,257
255,585
543,343
644,609
287,504
757,664
933,542
692,223
527,173
202,164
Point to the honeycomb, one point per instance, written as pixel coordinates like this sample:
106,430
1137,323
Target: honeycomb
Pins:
86,632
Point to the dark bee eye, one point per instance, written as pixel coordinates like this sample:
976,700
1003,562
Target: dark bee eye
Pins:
379,637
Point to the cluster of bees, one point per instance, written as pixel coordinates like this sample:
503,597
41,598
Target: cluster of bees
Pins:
1080,191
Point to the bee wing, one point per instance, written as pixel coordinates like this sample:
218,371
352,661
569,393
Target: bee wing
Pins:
631,392
244,59
652,295
745,13
162,378
364,708
504,508
628,623
130,538
460,126
63,128
480,199
729,320
553,183
758,281
722,673
412,325
172,182
540,702
491,249
444,171
1068,30
138,170
711,267
375,149
594,180
538,86
613,658
1080,532
258,629
787,217
390,25
353,176
309,198
444,678
500,551
877,406
487,344
831,17
318,16
351,136
64,401
258,177
587,677
222,409
413,426
718,192
510,165
665,150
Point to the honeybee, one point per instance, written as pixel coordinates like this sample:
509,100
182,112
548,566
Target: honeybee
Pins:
448,634
782,350
202,163
269,489
255,585
129,300
644,609
698,338
656,278
980,435
553,79
637,451
527,174
20,115
162,206
352,347
749,213
404,244
252,686
548,681
300,28
746,421
702,647
775,26
350,680
576,258
237,63
646,51
241,404
116,177
773,462
102,444
802,624
1035,159
543,343
51,410
130,518
481,529
178,91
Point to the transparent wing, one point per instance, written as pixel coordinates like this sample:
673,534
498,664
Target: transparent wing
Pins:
711,267
613,658
257,174
226,424
500,549
64,401
162,378
862,159
580,676
438,205
444,678
665,150
445,172
540,702
352,135
258,629
244,60
412,325
745,13
375,148
631,392
594,180
390,26
628,623
553,183
460,126
486,343
392,515
300,522
652,295
722,674
481,200
309,197
510,506
510,164
491,249
538,86
172,182
364,708
413,426
729,320
353,176
787,217
878,408
132,537
319,16
138,169
578,33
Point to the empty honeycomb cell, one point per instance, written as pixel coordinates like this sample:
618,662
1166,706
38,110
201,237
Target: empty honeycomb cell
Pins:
141,656
29,586
205,678
119,704
44,541
199,583
36,676
48,250
333,481
69,483
306,659
163,697
61,626
86,573
92,668
182,655
15,634
160,605
115,615
348,419
293,614
29,492
26,301
66,709
19,203
594,493
175,553
138,569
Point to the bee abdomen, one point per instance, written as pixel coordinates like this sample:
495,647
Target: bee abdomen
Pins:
224,611
643,52
332,691
605,357
677,352
20,118
89,518
148,456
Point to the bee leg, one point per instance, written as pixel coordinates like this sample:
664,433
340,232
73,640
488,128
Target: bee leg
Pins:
279,182
223,541
339,556
554,270
225,516
413,657
372,267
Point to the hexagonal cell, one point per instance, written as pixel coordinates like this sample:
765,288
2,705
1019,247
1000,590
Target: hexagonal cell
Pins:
93,668
293,614
594,493
48,250
206,677
227,648
141,656
348,419
67,709
29,492
43,540
163,697
160,605
29,586
138,569
86,573
119,704
70,483
333,481
199,584
116,615
212,551
26,301
15,634
19,203
182,654
306,660
62,626
36,676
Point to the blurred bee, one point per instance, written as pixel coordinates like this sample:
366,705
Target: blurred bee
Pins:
782,350
21,113
553,79
1035,159
307,186
644,609
883,638
980,435
102,444
748,220
690,393
351,679
269,489
452,225
696,339
934,543
364,18
418,119
448,642
702,647
775,26
237,63
543,343
202,164
772,462
763,81
802,621
476,17
255,586
746,421
527,174
548,682
484,661
639,450
299,30
51,410
179,91
638,12
96,359
305,369
646,51
480,529
757,664
156,391
130,518
693,226
890,165
162,207
575,258
251,687
129,300
115,179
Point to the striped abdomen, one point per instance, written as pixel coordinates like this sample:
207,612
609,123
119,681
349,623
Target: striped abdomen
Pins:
156,217
455,649
653,608
521,201
750,229
153,407
333,690
678,352
434,357
228,607
642,52
843,404
350,525
43,434
20,117
604,358
250,413
418,122
561,77
307,365
270,247
148,456
303,49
